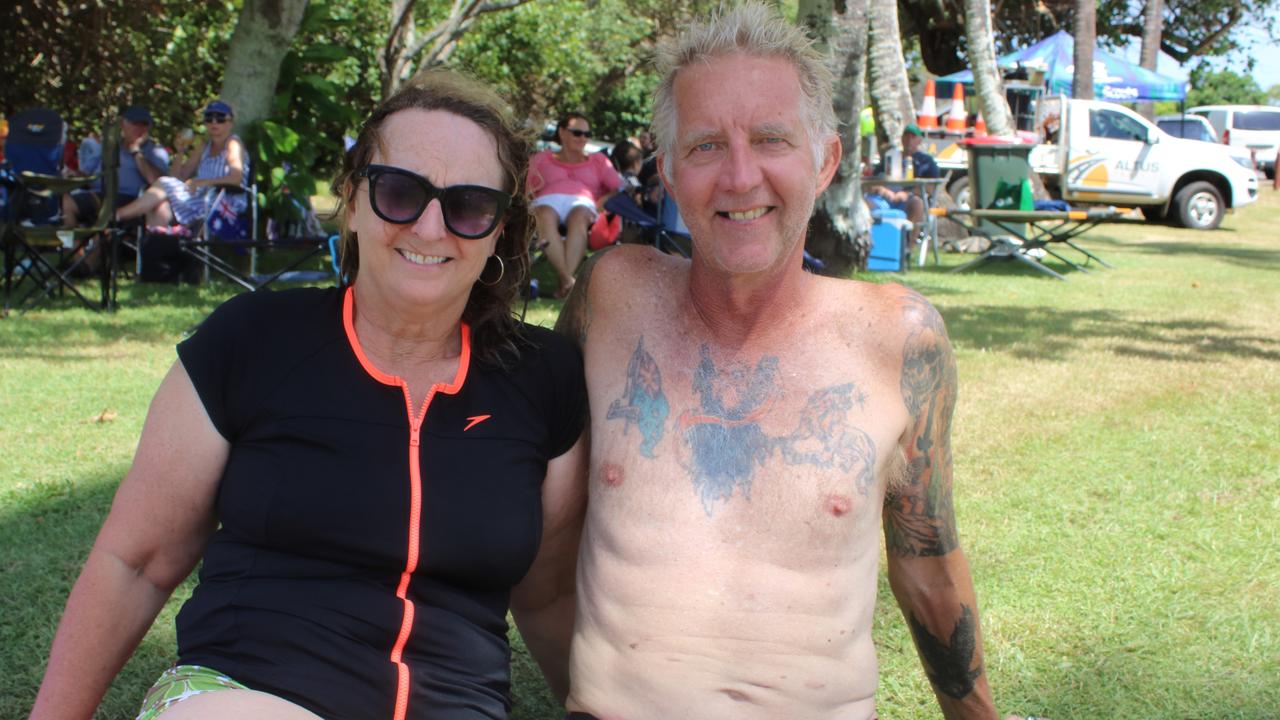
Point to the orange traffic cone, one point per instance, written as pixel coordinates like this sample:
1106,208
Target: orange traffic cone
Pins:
980,126
927,118
957,116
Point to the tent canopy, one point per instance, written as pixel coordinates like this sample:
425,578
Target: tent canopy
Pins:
1114,78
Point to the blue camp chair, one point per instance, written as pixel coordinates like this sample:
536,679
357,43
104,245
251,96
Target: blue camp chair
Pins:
37,253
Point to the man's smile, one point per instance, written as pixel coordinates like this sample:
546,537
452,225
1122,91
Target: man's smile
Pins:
745,214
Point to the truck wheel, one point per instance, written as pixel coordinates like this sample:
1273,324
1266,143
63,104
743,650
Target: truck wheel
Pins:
959,192
1199,206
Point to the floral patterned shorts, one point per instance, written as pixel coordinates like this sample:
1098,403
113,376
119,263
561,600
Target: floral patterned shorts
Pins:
179,683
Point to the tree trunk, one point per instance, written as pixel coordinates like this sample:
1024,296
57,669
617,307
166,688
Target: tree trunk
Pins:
887,73
263,35
1086,37
840,229
986,75
408,52
1152,27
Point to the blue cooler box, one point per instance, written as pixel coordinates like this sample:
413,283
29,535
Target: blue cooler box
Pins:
889,241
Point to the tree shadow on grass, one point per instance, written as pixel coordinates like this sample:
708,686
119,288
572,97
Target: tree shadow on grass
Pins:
148,313
46,530
1262,258
1053,333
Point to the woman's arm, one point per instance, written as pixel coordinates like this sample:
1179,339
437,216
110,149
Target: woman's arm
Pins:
160,520
188,167
543,603
235,167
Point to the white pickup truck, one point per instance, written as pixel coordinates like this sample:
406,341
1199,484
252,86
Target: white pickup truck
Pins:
1114,156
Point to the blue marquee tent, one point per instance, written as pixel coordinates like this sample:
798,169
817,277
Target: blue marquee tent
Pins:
1114,78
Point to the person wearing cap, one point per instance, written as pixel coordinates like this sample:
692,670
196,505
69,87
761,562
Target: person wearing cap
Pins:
142,162
186,196
923,166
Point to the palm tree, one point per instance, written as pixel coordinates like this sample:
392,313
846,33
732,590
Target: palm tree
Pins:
1086,36
887,73
1152,28
840,229
986,76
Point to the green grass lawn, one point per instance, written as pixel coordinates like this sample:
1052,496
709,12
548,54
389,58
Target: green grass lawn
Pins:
1117,450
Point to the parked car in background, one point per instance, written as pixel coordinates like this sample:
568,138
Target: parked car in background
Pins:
1197,127
1253,127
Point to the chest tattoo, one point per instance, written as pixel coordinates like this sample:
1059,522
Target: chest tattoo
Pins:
720,440
642,401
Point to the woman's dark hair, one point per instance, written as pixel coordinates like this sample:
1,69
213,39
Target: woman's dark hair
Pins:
494,330
624,155
564,120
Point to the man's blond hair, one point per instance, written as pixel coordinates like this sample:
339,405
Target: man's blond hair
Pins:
754,29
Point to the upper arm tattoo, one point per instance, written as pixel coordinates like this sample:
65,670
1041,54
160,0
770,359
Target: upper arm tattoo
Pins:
919,517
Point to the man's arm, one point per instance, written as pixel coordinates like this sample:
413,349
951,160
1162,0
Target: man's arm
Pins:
543,604
575,315
927,569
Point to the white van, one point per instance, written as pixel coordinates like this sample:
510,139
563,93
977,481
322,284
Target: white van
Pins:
1256,127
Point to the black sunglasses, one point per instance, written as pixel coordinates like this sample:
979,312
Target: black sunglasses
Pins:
215,117
399,196
578,133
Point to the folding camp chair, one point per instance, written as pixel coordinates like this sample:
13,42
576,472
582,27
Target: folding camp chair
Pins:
45,256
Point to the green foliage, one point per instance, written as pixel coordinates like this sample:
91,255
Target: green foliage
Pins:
1223,87
324,90
548,58
1192,28
89,59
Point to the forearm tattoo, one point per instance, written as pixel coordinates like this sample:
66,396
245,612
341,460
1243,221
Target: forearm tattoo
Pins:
919,516
721,442
948,663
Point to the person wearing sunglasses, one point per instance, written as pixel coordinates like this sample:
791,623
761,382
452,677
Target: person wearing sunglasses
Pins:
372,475
569,189
186,196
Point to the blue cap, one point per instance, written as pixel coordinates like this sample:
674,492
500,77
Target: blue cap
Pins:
137,114
217,106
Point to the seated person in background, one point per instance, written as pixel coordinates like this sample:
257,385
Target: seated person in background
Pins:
89,154
142,162
569,187
923,166
627,160
187,196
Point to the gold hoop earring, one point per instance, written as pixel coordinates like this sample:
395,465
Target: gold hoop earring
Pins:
502,270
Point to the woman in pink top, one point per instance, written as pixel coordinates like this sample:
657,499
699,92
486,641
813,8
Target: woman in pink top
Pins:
569,188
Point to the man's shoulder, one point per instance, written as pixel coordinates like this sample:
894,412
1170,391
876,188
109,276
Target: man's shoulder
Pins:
155,150
629,266
888,305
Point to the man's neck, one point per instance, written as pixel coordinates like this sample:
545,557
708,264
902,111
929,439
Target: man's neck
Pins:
737,310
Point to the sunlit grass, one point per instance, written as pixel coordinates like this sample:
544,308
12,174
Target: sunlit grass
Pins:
1117,475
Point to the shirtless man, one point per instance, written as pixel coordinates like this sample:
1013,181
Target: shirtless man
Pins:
752,425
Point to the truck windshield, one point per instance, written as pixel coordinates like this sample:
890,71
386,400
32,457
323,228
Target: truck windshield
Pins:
1190,129
1116,126
1257,120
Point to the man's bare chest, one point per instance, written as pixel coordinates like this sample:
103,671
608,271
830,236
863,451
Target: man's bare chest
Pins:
769,436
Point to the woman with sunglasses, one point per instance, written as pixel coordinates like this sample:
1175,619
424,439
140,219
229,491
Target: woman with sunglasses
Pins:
569,189
372,474
187,196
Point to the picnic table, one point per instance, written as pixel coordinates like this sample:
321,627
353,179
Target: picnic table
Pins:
1023,231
